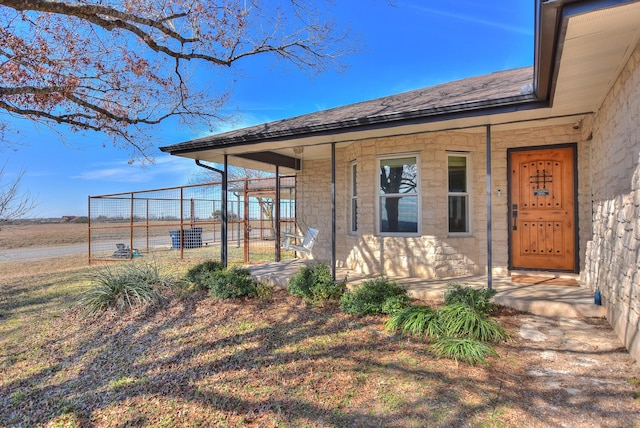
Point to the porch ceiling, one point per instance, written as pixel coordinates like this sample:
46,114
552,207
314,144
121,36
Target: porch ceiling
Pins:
591,46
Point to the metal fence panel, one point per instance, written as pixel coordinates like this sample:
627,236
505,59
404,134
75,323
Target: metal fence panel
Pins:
186,222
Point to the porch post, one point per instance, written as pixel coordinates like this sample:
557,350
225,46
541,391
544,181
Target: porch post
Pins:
223,208
223,228
276,209
489,206
333,211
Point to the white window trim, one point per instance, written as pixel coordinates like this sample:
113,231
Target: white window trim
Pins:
469,231
353,196
378,196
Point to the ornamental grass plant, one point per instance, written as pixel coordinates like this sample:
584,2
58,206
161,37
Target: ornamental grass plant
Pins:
460,330
124,286
463,349
415,321
462,320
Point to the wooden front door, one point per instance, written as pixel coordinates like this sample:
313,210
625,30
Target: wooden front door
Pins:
542,209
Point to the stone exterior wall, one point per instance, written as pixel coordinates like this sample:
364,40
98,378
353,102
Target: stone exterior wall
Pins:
613,259
608,145
314,202
433,254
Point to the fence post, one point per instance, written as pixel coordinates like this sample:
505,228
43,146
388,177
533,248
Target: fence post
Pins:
181,234
247,223
147,216
276,208
131,229
89,227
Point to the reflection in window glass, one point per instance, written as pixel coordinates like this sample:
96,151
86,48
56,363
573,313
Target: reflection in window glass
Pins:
398,175
458,214
457,174
399,214
458,194
398,200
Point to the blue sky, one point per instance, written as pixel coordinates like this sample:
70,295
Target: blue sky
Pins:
406,45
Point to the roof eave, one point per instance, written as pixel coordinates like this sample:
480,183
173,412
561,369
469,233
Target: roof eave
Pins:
437,114
550,25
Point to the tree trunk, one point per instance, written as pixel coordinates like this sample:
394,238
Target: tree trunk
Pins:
391,205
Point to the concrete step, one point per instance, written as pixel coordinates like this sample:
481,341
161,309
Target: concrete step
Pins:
552,308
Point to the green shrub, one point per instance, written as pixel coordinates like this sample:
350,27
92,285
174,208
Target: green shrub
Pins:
124,286
460,320
314,283
416,321
394,304
370,297
477,299
198,274
231,283
264,291
463,349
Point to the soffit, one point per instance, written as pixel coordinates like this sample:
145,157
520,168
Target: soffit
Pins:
595,47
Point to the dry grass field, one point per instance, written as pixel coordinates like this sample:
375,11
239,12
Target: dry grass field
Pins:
195,361
42,235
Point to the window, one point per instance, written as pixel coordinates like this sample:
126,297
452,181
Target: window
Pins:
398,204
354,199
458,168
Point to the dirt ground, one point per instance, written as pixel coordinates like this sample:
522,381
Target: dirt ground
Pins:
201,362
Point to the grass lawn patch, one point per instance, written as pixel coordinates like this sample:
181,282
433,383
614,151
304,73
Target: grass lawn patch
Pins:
198,361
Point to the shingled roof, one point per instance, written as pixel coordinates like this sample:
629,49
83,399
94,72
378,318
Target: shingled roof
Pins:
470,95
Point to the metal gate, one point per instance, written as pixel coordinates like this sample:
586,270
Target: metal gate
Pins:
254,215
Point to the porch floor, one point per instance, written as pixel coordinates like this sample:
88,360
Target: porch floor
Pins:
540,299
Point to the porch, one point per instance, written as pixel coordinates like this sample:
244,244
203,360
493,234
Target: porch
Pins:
537,298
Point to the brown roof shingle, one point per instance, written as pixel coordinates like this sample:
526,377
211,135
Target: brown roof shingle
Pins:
466,95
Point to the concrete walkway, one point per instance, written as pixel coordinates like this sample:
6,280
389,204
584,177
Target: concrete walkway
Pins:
539,299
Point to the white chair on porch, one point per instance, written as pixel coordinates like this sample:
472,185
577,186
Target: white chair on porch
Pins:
300,243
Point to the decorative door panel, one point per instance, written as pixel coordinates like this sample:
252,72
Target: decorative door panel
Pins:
542,209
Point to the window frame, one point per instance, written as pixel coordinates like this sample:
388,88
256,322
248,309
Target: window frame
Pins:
353,198
466,194
417,194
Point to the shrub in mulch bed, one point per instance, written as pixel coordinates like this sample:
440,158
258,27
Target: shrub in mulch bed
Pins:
460,330
223,283
479,299
375,296
314,283
197,275
231,283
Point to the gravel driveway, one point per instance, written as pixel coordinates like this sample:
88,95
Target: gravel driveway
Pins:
20,254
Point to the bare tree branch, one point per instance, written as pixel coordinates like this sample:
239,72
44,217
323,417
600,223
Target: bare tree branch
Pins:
14,203
120,67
